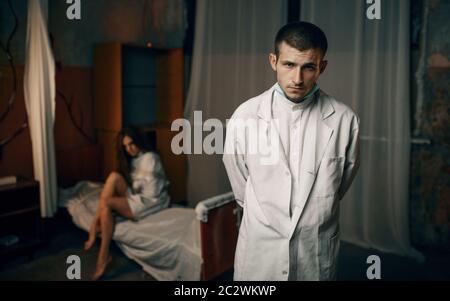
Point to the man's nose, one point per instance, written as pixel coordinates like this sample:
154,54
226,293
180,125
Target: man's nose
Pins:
298,76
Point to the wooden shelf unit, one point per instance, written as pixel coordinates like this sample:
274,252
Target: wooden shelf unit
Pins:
139,86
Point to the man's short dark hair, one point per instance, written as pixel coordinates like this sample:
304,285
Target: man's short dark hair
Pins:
302,36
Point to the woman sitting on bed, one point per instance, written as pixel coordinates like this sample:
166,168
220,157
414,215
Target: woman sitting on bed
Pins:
139,189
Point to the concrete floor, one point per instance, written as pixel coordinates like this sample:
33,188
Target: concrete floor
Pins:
49,262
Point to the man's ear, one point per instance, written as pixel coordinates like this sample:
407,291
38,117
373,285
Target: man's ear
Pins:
323,66
273,61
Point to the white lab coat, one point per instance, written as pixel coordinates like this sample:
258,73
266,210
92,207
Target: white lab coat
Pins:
274,244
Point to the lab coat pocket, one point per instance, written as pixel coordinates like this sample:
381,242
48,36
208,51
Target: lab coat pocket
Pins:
334,245
253,205
329,177
329,249
241,251
333,252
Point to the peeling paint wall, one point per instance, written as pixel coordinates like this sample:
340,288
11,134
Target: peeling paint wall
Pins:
430,163
163,23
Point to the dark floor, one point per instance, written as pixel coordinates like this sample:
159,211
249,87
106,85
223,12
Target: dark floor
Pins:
49,262
353,266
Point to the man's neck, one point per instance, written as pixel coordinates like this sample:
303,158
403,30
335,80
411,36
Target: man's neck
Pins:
309,94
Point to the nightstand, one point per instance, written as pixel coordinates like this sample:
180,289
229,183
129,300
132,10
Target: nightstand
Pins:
20,218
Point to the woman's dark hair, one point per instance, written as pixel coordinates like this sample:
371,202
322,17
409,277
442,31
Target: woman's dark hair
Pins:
124,159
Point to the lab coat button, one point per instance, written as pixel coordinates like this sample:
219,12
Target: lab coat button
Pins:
284,272
287,173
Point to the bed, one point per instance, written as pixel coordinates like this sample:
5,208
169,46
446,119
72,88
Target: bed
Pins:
173,244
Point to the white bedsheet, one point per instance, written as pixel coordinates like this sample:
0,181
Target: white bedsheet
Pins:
166,244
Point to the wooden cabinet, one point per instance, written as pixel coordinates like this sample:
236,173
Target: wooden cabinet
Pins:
139,86
20,218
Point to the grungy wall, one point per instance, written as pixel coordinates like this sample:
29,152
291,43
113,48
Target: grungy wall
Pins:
163,23
430,163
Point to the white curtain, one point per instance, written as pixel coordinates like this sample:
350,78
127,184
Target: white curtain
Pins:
39,92
230,65
368,68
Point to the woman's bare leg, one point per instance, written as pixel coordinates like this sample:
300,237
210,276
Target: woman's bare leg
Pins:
114,185
93,232
106,223
116,204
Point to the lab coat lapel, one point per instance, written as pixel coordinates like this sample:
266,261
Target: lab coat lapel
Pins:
272,128
276,170
317,136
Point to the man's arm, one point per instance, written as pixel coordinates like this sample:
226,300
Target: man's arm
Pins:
351,159
234,161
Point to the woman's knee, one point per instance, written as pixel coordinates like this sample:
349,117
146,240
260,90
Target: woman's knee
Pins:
118,179
114,176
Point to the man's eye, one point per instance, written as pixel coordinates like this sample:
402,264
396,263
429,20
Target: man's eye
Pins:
310,68
289,65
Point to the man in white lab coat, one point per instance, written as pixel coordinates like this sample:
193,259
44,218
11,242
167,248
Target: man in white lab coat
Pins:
291,153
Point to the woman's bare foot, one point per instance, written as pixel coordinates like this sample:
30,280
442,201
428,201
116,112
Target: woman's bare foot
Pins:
92,234
100,269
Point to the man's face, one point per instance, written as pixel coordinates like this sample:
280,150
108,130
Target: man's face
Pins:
297,71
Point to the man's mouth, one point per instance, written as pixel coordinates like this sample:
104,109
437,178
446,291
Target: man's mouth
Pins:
297,88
